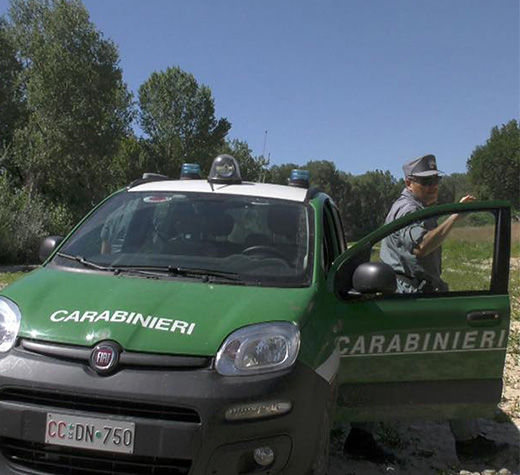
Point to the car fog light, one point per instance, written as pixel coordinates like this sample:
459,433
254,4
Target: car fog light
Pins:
264,456
258,410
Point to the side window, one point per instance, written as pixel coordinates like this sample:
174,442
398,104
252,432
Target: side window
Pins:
340,231
447,253
331,245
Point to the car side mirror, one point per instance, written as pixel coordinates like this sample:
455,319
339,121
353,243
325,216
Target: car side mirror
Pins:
48,246
374,277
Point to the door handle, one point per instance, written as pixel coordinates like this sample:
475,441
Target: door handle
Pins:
483,316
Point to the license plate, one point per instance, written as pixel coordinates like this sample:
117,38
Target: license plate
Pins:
90,433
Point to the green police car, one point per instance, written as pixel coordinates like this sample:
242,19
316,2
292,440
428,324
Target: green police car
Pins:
219,327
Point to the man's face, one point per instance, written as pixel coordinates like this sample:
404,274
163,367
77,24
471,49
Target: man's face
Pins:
425,189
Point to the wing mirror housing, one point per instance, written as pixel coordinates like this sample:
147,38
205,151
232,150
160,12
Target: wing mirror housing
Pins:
48,246
374,277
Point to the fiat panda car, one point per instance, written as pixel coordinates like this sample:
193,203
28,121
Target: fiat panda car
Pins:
219,327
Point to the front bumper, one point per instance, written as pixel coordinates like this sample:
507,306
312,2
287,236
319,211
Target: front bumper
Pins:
179,418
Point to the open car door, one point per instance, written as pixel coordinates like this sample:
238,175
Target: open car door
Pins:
427,354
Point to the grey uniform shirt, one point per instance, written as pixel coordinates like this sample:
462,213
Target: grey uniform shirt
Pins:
420,273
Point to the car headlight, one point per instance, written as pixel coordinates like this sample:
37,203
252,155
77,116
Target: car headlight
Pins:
261,348
10,317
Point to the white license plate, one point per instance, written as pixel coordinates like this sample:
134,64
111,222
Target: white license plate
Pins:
90,433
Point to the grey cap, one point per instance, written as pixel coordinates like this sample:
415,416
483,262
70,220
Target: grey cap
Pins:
422,166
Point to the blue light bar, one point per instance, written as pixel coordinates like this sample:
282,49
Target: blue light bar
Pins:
300,178
191,171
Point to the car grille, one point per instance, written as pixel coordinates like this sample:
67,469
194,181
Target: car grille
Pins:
127,359
114,407
63,461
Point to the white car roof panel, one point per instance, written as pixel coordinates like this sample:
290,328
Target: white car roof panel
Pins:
261,190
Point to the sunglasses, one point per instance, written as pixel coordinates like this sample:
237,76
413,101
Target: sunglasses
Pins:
426,180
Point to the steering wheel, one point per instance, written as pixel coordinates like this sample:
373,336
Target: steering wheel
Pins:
264,250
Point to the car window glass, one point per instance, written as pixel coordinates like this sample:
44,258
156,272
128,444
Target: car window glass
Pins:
338,226
330,245
263,240
463,262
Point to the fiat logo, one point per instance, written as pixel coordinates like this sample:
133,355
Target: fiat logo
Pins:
104,357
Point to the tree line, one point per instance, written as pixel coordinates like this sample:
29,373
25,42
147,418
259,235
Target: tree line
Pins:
67,137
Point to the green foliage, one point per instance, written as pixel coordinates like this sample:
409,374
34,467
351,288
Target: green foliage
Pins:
494,168
327,177
11,93
363,200
453,187
132,159
78,108
25,221
370,198
279,174
10,277
178,115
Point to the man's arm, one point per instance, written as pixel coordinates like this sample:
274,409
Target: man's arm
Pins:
434,238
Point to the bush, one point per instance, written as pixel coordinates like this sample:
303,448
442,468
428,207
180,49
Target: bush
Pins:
24,221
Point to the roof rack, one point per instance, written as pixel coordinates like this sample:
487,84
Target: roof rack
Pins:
147,178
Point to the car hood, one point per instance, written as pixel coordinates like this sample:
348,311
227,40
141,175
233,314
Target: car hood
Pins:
171,316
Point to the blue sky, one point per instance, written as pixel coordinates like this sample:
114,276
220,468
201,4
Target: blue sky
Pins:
368,84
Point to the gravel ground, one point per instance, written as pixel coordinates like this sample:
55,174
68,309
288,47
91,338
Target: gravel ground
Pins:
428,448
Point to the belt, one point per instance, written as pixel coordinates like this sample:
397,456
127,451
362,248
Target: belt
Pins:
415,283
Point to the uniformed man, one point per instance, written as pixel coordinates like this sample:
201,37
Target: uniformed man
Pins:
415,251
415,254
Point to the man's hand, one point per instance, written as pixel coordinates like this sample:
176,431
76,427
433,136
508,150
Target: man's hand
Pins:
467,199
434,238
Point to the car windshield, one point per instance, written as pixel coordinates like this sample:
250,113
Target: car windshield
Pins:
250,240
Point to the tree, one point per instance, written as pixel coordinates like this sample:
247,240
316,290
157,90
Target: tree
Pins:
25,220
279,174
371,197
11,93
494,168
132,159
453,187
178,115
78,108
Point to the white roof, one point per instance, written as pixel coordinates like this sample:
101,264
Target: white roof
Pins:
246,188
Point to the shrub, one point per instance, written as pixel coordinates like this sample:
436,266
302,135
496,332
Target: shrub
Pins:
25,219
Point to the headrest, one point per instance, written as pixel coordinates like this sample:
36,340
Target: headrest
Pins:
219,224
284,221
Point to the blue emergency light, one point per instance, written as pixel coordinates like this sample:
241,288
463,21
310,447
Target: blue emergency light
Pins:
191,171
300,178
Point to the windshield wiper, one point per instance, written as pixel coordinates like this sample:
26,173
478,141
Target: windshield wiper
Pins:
180,271
85,262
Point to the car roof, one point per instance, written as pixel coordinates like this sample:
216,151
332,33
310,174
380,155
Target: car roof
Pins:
261,190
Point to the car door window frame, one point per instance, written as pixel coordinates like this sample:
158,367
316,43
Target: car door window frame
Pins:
341,273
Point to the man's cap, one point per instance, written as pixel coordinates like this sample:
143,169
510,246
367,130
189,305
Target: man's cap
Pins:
422,166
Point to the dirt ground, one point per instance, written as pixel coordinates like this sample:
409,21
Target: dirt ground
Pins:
428,448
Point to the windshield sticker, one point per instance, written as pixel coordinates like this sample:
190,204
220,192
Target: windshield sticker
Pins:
418,343
129,318
157,199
